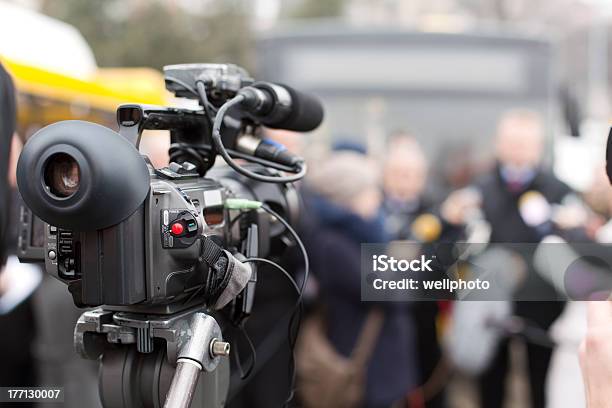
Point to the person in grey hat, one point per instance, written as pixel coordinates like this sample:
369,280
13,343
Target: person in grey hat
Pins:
344,201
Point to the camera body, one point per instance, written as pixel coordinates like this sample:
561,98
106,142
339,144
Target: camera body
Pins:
130,237
149,260
150,257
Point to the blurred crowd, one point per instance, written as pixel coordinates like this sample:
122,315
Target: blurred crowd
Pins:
372,354
414,353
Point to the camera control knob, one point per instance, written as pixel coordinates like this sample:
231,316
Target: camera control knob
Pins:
177,228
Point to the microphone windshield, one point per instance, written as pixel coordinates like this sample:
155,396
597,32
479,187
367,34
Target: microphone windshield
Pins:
306,112
291,109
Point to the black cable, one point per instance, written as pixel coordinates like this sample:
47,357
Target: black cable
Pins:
200,93
218,142
183,84
177,149
236,219
294,321
194,155
297,240
245,374
266,163
280,268
201,87
297,315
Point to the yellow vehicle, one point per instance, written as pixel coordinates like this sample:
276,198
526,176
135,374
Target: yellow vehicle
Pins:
45,97
56,76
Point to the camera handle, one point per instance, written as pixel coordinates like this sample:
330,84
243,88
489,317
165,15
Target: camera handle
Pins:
133,119
146,359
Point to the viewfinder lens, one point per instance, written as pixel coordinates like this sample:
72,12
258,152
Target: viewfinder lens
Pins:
62,175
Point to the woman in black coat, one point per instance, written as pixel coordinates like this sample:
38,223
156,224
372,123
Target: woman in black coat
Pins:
343,202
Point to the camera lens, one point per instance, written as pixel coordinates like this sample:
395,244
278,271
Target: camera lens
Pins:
62,175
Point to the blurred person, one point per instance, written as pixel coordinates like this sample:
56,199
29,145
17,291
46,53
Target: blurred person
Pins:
36,311
598,197
17,282
458,164
565,386
343,196
8,117
596,355
404,181
519,147
155,144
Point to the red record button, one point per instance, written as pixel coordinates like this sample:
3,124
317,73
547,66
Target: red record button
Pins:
177,228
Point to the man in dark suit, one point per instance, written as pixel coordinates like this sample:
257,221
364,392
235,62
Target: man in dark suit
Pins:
518,173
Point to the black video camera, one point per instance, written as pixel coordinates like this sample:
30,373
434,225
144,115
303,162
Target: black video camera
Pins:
125,235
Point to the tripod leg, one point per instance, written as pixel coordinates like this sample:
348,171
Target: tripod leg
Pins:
201,351
183,384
